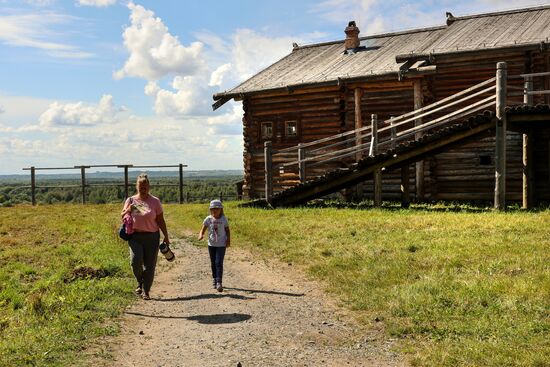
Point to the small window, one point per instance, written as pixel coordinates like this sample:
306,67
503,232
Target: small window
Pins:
291,129
485,160
267,130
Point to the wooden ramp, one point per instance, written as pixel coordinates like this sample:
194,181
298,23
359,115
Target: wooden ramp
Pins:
403,154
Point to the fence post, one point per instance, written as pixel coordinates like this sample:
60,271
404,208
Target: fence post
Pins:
181,183
187,197
377,173
527,154
500,144
221,196
301,163
83,176
268,172
33,186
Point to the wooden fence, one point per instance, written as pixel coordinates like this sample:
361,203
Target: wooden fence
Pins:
84,184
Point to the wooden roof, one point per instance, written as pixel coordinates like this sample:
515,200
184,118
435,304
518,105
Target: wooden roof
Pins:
326,63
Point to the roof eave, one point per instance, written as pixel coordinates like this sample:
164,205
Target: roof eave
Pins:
222,98
424,56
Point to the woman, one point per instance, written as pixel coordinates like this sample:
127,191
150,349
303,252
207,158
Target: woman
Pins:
147,215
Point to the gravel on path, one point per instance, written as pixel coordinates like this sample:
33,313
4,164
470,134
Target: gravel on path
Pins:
269,314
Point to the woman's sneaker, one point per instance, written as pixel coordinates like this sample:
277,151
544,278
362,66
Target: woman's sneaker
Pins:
219,287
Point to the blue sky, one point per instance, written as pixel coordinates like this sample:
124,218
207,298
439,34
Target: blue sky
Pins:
114,82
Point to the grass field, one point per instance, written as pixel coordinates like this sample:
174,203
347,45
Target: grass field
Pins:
63,275
457,288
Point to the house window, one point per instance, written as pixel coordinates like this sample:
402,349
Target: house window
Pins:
291,129
267,130
485,160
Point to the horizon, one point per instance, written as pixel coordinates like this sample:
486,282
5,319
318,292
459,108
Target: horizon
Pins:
109,80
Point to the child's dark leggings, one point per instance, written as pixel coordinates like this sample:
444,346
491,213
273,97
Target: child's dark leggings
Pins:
216,260
144,247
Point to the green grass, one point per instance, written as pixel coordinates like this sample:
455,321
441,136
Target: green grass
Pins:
456,288
48,313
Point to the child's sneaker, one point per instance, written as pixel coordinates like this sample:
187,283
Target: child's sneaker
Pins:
219,287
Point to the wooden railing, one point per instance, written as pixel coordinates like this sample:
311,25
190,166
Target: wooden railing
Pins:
381,136
84,184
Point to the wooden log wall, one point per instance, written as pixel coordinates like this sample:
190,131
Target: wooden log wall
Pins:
318,112
542,166
463,173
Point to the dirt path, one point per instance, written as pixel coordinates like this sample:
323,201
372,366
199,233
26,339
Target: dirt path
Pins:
268,315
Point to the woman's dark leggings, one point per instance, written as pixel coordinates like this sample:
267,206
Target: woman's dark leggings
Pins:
216,260
144,247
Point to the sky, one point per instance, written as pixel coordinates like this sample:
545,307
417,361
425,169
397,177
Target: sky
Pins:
116,82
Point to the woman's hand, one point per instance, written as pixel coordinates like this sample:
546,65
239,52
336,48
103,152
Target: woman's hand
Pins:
201,236
126,211
166,240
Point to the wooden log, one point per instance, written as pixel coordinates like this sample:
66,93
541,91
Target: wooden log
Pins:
527,194
268,172
83,183
302,163
181,182
33,185
377,173
500,146
405,186
418,104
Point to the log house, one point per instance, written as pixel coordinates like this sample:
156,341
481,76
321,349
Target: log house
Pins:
331,88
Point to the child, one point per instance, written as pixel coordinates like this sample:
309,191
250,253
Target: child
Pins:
218,240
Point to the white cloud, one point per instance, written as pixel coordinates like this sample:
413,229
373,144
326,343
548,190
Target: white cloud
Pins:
80,114
251,51
36,31
190,96
222,146
97,3
377,16
154,52
216,78
342,11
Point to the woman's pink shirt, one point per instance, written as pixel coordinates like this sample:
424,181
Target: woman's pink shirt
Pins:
145,213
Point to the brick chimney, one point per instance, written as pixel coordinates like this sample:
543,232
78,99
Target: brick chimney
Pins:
352,36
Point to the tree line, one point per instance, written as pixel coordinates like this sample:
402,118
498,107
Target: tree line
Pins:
194,189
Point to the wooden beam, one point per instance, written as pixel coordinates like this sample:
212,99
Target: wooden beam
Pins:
33,186
500,144
418,104
268,172
405,187
378,172
302,163
527,176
